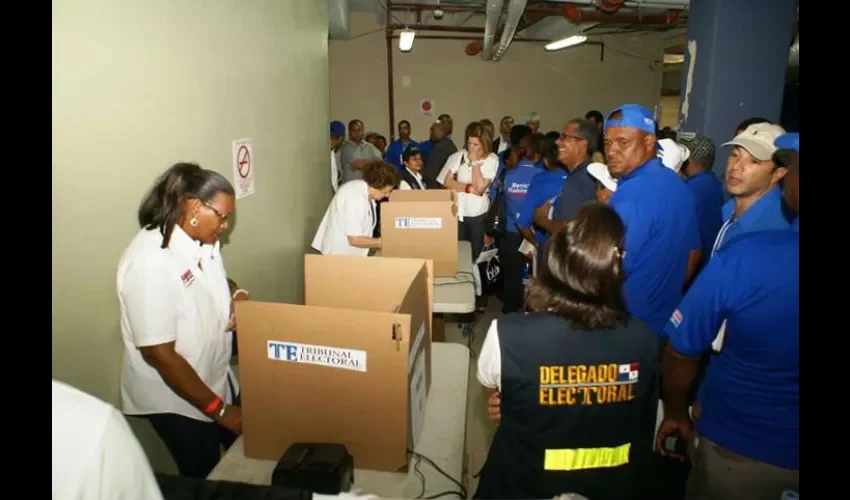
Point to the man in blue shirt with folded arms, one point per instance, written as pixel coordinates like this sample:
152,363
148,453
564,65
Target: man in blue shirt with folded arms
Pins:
662,236
400,145
746,444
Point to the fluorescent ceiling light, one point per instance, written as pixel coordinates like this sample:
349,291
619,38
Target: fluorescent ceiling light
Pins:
405,41
566,42
674,58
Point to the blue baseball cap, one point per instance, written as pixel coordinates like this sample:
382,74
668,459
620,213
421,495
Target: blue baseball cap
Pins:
337,129
789,140
634,116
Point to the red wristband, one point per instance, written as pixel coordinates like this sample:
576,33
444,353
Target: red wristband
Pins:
467,188
213,405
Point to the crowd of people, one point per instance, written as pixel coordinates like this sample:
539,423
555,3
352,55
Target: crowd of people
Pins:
648,287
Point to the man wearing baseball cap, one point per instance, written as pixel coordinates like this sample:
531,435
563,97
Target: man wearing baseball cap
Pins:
752,179
337,138
746,440
706,189
662,237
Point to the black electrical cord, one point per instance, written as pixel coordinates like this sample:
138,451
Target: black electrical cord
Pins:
461,494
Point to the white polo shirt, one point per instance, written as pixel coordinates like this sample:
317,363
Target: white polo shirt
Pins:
95,454
469,205
350,213
175,294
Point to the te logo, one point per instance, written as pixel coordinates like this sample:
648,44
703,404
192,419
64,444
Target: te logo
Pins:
285,352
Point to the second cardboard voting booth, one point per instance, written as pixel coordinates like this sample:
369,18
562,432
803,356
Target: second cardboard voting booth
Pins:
421,224
351,366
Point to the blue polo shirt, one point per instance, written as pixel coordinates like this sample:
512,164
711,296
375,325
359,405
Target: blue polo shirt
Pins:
708,197
396,149
545,186
750,394
579,189
763,215
661,230
517,182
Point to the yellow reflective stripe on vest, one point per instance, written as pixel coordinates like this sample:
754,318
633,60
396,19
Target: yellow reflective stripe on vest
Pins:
586,458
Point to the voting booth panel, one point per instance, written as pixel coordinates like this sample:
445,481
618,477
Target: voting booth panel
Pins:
422,224
342,369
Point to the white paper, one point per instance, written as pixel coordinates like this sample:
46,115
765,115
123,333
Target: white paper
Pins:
319,355
416,343
526,248
418,394
243,168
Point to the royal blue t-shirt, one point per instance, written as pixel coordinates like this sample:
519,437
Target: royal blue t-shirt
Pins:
763,215
396,149
517,182
545,186
661,230
708,197
750,395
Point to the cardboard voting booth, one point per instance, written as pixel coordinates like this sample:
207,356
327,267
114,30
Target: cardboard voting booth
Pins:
422,224
351,366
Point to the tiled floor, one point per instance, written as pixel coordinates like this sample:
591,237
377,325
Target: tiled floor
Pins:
479,429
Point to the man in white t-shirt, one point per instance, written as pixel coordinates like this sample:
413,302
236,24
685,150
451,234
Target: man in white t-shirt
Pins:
95,454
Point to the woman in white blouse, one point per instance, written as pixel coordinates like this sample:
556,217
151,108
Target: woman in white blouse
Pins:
469,172
349,221
177,319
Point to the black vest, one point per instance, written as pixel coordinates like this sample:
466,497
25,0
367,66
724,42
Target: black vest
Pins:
408,177
578,410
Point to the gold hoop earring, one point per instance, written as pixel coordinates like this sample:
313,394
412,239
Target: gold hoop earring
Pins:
194,222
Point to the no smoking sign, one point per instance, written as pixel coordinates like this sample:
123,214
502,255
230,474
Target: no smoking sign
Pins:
243,168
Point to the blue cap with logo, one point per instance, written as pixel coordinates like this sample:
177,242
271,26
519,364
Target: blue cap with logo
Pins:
633,116
789,140
337,129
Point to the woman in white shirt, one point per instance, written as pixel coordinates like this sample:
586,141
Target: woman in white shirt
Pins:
349,221
469,172
177,320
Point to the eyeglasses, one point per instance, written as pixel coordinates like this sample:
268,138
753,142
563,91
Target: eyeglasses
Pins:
220,215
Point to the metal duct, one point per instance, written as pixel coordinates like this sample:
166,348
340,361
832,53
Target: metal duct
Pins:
494,12
338,25
639,4
515,10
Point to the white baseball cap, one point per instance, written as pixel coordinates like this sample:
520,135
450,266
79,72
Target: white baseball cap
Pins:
758,140
600,172
673,155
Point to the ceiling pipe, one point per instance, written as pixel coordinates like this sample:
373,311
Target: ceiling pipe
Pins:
577,16
491,23
515,10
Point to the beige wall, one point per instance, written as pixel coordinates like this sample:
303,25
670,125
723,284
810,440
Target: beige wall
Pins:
558,85
139,85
